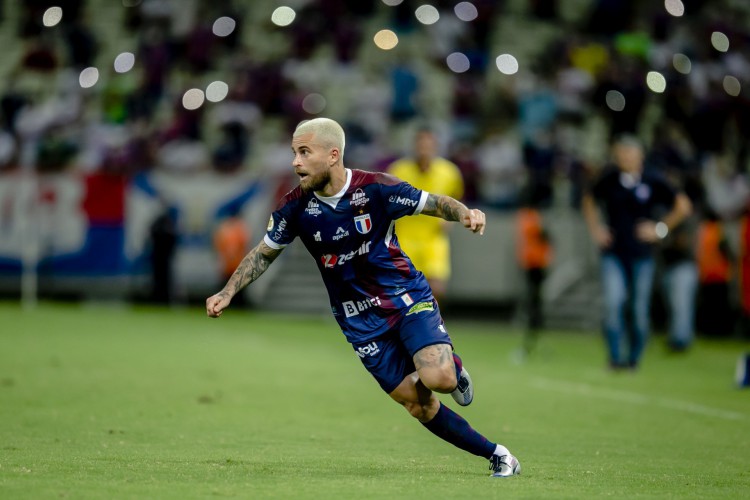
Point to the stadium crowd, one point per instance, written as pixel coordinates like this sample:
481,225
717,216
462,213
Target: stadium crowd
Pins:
587,71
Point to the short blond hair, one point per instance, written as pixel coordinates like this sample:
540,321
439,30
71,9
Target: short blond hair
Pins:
325,130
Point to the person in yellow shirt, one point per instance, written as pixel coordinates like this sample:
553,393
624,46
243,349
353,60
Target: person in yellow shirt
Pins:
424,239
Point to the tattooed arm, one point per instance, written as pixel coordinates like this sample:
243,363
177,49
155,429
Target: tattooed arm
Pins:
449,209
252,266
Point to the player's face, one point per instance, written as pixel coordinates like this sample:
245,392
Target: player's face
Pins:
425,145
311,163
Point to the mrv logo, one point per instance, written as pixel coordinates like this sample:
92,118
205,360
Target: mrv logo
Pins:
329,260
403,201
354,307
370,349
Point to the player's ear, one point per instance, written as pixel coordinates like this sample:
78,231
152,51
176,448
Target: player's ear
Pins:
333,157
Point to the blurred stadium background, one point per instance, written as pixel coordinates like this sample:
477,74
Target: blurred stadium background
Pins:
120,114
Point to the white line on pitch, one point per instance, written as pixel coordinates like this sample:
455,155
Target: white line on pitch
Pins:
633,397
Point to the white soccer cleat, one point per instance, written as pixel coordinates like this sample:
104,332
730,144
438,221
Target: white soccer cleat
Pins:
504,466
463,394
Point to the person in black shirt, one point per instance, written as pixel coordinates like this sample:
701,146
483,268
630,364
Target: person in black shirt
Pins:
626,231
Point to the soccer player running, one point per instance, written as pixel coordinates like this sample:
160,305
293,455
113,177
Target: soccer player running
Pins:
384,306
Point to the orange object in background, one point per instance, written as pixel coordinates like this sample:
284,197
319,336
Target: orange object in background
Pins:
533,247
713,264
231,240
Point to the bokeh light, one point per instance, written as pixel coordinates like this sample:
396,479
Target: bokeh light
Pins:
52,16
720,41
674,7
88,77
124,62
682,63
193,99
314,103
224,26
427,14
393,3
458,62
507,64
217,91
283,16
615,100
656,82
732,86
385,39
466,11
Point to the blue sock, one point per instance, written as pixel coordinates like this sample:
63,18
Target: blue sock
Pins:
450,427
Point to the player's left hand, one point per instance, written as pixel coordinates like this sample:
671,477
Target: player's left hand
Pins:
474,220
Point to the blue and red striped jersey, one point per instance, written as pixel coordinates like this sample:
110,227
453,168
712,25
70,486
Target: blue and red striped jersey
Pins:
371,282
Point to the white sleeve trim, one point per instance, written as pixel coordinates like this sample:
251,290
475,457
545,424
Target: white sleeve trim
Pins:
422,203
272,243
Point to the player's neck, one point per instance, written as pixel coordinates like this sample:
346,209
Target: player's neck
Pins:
336,184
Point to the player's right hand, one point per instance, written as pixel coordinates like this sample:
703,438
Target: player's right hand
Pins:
216,304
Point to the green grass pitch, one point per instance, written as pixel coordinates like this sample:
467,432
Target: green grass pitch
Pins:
129,402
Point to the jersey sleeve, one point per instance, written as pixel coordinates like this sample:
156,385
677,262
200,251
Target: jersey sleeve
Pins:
401,198
281,229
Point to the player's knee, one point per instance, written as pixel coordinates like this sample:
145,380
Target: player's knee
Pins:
422,411
443,380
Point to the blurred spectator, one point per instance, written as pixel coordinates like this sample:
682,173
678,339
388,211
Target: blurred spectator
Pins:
715,315
502,169
534,254
424,238
163,237
231,242
629,198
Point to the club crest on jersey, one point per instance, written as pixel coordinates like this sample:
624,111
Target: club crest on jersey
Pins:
359,198
313,208
363,223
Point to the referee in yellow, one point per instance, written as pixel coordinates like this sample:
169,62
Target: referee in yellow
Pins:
424,239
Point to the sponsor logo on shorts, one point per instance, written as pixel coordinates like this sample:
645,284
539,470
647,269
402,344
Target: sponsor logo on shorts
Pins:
370,349
354,307
422,306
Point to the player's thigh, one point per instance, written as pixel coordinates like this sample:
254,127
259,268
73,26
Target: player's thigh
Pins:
425,337
387,360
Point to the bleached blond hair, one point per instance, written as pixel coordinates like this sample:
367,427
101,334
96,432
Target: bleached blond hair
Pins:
326,131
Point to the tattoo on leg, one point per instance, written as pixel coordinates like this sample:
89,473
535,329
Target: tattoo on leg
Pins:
433,356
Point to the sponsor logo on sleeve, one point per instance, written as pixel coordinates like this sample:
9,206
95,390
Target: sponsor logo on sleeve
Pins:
408,202
279,233
363,223
359,198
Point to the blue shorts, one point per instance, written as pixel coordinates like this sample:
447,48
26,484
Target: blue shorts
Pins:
389,358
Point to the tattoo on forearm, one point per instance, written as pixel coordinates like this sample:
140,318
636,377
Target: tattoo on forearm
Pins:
252,266
444,207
